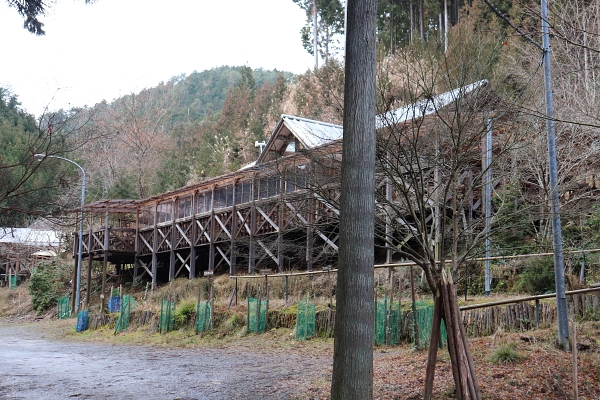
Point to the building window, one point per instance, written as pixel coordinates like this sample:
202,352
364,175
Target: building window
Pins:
184,207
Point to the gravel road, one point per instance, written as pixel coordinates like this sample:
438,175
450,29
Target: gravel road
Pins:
35,367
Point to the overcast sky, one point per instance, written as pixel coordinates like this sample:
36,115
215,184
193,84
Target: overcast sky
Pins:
115,47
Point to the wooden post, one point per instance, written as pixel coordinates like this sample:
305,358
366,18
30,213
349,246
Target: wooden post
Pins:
252,245
267,299
136,244
155,248
89,270
575,379
212,299
211,245
309,235
234,229
414,307
194,234
433,347
330,284
391,307
286,289
280,223
104,262
172,242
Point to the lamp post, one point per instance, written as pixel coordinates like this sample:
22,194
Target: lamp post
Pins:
41,157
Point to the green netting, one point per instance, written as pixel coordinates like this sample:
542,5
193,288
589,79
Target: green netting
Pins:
305,320
63,308
127,304
424,318
166,321
203,316
257,314
387,322
12,282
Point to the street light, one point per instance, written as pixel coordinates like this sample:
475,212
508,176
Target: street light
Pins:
41,157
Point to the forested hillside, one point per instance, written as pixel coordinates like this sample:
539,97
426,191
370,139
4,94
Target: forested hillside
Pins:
199,126
180,131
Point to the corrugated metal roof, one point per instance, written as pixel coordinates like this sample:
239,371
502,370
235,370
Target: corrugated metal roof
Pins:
31,237
426,106
312,133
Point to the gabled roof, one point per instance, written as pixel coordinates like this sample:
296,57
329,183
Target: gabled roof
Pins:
303,132
294,134
427,106
309,134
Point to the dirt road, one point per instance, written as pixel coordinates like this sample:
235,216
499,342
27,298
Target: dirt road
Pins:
35,367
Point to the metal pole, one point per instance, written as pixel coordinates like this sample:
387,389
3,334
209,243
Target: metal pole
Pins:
559,273
40,157
488,205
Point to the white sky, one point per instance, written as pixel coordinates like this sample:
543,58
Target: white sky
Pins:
115,47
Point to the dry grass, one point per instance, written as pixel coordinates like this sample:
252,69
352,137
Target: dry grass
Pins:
15,303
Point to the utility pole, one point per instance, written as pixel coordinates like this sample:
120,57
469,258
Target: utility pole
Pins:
559,267
488,205
559,271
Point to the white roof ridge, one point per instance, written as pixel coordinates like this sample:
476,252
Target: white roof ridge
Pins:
314,121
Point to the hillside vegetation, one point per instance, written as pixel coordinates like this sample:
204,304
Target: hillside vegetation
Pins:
205,124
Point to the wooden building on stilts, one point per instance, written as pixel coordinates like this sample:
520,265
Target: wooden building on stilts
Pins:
279,213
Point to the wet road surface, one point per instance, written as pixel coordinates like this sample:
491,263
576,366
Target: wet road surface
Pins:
32,367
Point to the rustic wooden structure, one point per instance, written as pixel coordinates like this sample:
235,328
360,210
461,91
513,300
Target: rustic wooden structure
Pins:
276,213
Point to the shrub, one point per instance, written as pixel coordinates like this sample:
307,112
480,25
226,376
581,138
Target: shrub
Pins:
47,285
506,354
235,321
184,313
537,277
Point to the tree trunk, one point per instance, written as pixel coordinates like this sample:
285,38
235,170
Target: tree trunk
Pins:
354,327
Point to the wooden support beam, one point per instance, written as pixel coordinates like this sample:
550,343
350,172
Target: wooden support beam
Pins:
193,238
233,236
89,270
136,244
309,235
172,259
252,231
104,262
211,248
280,222
154,248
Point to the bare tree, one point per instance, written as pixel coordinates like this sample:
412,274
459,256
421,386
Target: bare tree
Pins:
136,135
27,188
430,175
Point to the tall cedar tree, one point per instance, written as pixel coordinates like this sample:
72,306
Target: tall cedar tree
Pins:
354,330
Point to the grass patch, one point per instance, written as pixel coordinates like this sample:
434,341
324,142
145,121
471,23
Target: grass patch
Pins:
506,354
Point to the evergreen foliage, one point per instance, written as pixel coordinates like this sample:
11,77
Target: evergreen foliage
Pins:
537,277
24,190
47,285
